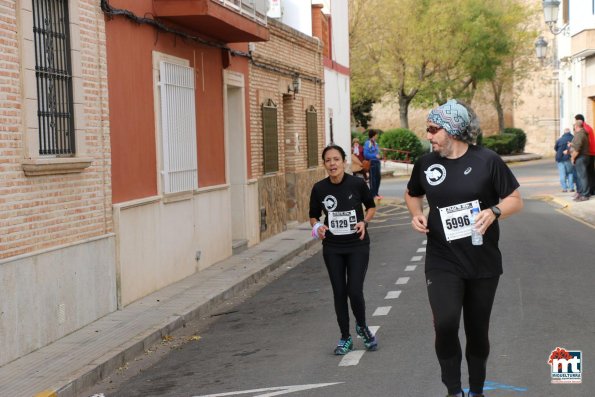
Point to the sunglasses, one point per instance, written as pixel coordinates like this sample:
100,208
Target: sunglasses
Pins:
432,130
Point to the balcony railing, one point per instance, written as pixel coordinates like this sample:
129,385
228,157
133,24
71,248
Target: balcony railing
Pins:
254,9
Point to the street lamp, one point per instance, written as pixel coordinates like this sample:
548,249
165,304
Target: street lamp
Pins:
541,48
550,14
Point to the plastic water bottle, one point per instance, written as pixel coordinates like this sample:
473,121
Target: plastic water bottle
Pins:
476,237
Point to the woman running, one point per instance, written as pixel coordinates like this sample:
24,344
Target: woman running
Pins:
345,242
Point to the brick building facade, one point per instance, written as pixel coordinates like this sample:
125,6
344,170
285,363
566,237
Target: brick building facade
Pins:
288,60
56,240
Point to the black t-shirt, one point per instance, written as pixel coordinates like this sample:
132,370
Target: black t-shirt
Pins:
480,174
342,205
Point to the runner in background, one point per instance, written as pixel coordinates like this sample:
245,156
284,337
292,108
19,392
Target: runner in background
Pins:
345,242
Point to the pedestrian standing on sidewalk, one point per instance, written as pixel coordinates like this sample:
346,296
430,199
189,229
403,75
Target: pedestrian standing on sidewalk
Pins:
345,242
457,177
591,165
580,158
565,167
372,153
357,160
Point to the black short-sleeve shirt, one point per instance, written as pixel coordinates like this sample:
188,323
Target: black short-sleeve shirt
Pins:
344,200
480,174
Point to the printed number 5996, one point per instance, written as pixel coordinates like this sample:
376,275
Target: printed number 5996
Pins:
457,222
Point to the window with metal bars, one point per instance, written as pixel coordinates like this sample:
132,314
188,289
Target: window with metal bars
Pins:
53,70
270,137
312,136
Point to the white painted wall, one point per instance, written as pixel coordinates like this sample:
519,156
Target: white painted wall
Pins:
337,91
339,11
581,16
47,295
157,241
297,14
575,76
337,103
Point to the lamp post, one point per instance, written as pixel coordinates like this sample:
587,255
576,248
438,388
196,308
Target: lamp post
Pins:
550,14
541,49
541,52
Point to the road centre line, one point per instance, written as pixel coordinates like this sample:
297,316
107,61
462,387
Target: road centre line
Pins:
351,358
392,295
416,258
423,249
373,328
402,280
410,268
424,242
382,311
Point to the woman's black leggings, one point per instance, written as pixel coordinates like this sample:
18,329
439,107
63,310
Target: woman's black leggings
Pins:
347,271
449,294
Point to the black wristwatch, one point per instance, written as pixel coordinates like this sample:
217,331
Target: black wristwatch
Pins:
365,222
496,211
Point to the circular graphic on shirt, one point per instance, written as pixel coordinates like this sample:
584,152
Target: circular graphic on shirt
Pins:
435,174
330,203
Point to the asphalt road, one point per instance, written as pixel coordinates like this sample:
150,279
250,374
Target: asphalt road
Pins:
283,334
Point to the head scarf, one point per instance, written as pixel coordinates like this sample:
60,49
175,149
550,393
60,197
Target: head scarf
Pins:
452,116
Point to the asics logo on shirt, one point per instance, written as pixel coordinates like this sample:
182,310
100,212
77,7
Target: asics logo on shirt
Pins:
435,174
467,171
330,202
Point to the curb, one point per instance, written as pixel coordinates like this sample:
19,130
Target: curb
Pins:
101,367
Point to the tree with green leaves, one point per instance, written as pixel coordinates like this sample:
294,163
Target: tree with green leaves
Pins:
426,51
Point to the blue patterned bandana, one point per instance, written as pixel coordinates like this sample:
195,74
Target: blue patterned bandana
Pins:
451,116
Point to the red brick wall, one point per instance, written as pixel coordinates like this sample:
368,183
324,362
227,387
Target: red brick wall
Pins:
40,212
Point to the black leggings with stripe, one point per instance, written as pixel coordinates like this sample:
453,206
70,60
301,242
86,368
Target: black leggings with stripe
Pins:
449,295
347,269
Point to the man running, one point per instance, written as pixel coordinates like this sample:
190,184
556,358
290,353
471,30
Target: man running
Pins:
456,178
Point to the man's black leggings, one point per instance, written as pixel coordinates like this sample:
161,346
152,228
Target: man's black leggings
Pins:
347,270
449,294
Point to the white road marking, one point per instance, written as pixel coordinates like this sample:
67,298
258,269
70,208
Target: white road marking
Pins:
424,242
351,358
410,268
382,311
276,391
402,280
373,328
416,258
422,249
392,295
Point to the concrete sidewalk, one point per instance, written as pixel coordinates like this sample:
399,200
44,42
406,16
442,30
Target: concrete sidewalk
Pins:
76,362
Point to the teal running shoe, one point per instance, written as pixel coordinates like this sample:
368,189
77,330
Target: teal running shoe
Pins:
344,346
368,337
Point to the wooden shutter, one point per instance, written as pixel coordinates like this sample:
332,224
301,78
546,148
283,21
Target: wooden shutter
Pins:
270,137
312,136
